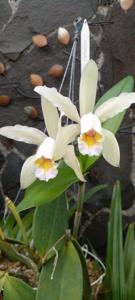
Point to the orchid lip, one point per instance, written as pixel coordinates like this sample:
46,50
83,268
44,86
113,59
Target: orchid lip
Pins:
44,163
45,169
91,138
90,143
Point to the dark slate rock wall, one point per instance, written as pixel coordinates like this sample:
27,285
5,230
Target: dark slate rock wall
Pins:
23,18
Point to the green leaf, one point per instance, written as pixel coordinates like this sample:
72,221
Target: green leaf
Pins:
128,249
3,276
50,223
27,221
86,279
13,254
113,124
114,262
88,196
16,289
28,218
124,85
67,282
11,229
130,284
87,161
93,191
41,192
9,250
8,225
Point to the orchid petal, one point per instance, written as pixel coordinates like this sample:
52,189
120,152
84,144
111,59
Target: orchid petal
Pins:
111,151
88,87
65,136
90,121
46,149
71,160
63,103
51,117
28,172
114,106
25,134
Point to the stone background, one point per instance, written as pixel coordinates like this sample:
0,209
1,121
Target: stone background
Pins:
112,46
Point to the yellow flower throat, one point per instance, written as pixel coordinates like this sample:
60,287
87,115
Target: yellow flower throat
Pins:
44,163
91,138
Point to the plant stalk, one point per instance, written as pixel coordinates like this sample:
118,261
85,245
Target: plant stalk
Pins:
78,214
16,215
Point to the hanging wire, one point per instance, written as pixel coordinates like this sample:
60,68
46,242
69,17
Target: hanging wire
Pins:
66,70
127,132
124,129
78,26
72,60
127,126
72,74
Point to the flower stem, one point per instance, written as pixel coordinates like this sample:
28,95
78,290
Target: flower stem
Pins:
78,214
16,215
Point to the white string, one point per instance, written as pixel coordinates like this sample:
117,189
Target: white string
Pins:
55,262
86,253
68,63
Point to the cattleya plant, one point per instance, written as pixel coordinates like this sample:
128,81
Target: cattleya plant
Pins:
44,242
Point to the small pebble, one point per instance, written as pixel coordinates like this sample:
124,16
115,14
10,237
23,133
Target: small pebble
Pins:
31,112
39,40
63,36
36,79
4,100
56,71
2,68
126,4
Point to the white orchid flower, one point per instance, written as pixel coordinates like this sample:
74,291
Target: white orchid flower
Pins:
44,164
93,139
